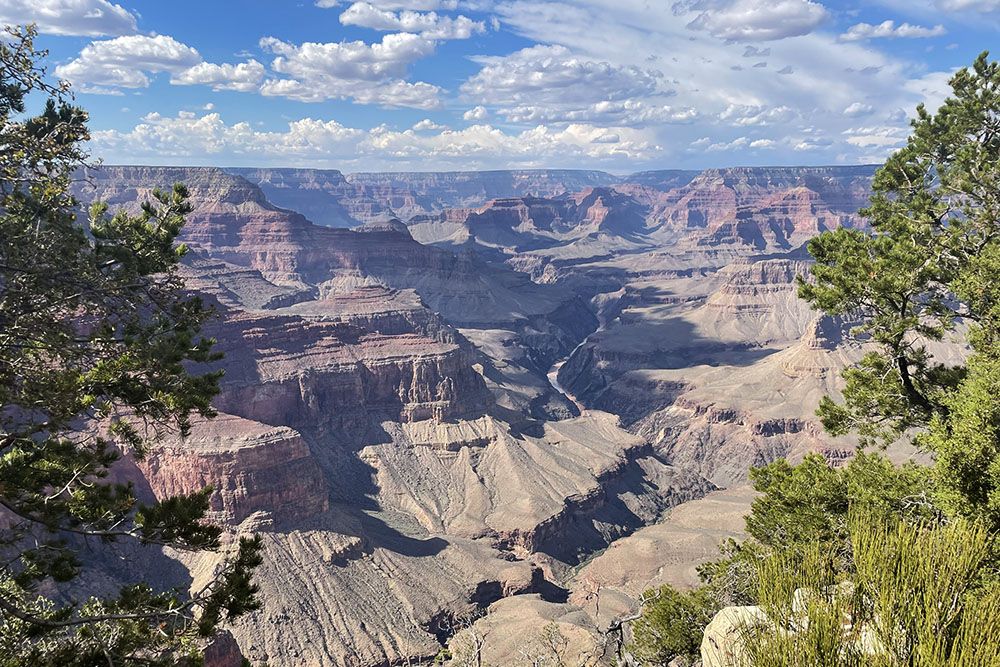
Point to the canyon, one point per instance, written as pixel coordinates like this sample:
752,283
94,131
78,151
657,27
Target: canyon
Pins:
466,406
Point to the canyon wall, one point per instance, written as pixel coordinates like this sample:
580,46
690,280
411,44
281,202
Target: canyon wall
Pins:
434,415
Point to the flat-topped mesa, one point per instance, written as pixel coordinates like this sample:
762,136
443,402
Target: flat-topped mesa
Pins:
252,467
416,193
764,207
391,226
520,224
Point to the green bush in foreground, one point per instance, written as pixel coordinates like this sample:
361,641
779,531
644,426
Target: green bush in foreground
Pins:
671,624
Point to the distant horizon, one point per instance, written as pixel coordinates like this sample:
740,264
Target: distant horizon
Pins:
493,170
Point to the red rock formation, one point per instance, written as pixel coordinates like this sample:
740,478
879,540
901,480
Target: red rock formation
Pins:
252,468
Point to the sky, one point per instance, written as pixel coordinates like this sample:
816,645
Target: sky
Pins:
398,85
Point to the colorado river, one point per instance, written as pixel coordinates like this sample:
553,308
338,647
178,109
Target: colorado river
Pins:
553,375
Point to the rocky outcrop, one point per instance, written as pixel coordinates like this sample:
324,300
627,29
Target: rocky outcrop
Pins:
251,468
314,372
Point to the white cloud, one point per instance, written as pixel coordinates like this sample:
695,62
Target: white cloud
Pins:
743,115
428,124
877,136
124,62
809,81
429,25
739,142
627,113
244,77
858,109
394,5
555,74
207,139
190,136
476,113
87,18
387,94
763,144
348,60
365,73
551,84
756,20
484,144
889,29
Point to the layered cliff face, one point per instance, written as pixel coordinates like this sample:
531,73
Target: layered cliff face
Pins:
765,208
252,468
417,193
232,221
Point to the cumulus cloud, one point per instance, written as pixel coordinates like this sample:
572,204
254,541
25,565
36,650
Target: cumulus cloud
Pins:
125,62
428,124
476,113
889,29
366,73
763,144
755,20
209,139
348,60
191,136
243,77
87,18
485,144
429,25
858,109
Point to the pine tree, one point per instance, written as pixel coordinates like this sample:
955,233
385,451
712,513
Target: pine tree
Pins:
97,344
926,273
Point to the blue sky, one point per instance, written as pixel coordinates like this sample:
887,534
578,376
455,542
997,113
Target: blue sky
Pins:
620,85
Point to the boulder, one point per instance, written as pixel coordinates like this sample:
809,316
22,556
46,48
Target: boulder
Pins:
723,644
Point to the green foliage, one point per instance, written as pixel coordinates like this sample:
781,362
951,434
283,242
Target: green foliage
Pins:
916,599
927,273
671,624
808,503
803,505
97,339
